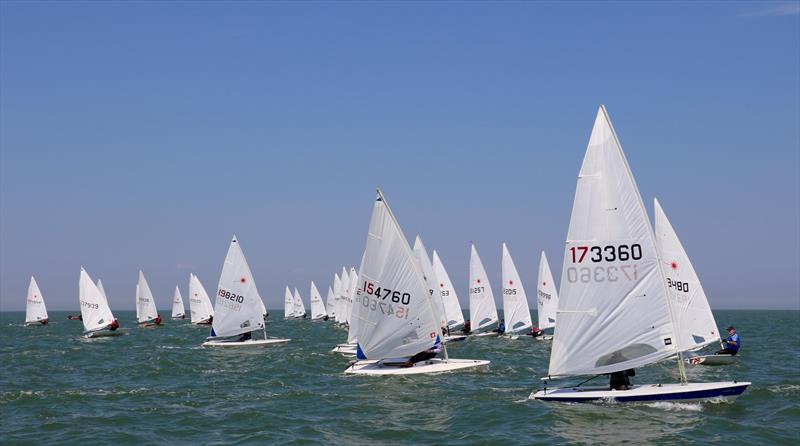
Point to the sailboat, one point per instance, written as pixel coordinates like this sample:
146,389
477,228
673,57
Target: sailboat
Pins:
35,311
344,296
614,312
434,286
515,301
237,312
146,313
482,309
697,325
452,307
330,300
393,306
177,305
299,306
288,304
333,310
317,305
98,321
199,304
547,299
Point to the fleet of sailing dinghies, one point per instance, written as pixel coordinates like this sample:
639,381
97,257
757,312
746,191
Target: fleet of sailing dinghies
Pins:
482,309
237,309
146,312
515,301
98,321
35,311
317,305
199,303
177,305
615,311
452,307
299,306
693,316
546,298
393,306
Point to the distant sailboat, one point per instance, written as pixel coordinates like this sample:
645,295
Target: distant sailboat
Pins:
146,313
237,312
288,304
482,309
199,303
317,305
35,310
333,310
98,321
299,306
177,305
330,300
696,325
421,254
393,306
614,311
546,298
515,301
452,307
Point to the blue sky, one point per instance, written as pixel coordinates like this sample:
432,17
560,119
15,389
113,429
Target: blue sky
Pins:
144,135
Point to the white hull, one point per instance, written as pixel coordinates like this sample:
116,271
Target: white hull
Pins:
248,343
644,393
711,360
486,334
375,368
205,322
104,333
345,349
42,322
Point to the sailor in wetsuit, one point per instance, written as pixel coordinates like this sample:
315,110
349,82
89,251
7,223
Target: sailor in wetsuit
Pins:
620,380
424,355
501,327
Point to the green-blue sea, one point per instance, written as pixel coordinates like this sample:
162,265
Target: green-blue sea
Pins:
158,386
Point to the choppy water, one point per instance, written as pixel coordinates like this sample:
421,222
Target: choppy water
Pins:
158,385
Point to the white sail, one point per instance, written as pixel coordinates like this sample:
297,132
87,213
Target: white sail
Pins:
395,315
515,301
262,307
199,303
344,293
482,309
330,300
299,306
547,296
145,304
236,307
452,307
177,304
288,303
696,326
337,285
35,311
351,296
94,308
102,290
431,280
612,313
317,305
353,322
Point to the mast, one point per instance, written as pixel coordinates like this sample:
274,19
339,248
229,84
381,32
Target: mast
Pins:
420,276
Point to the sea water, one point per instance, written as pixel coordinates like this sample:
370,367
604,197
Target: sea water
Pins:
157,385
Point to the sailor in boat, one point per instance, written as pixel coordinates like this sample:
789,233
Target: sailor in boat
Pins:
424,355
325,318
732,343
75,317
501,327
621,380
114,325
157,320
467,326
245,336
535,332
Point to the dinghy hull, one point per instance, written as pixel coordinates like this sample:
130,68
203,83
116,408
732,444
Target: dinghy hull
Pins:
245,344
486,334
644,393
454,338
711,360
103,333
378,368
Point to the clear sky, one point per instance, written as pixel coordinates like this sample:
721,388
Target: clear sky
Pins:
144,135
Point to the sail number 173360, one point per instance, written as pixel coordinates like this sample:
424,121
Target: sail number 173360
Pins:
608,253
